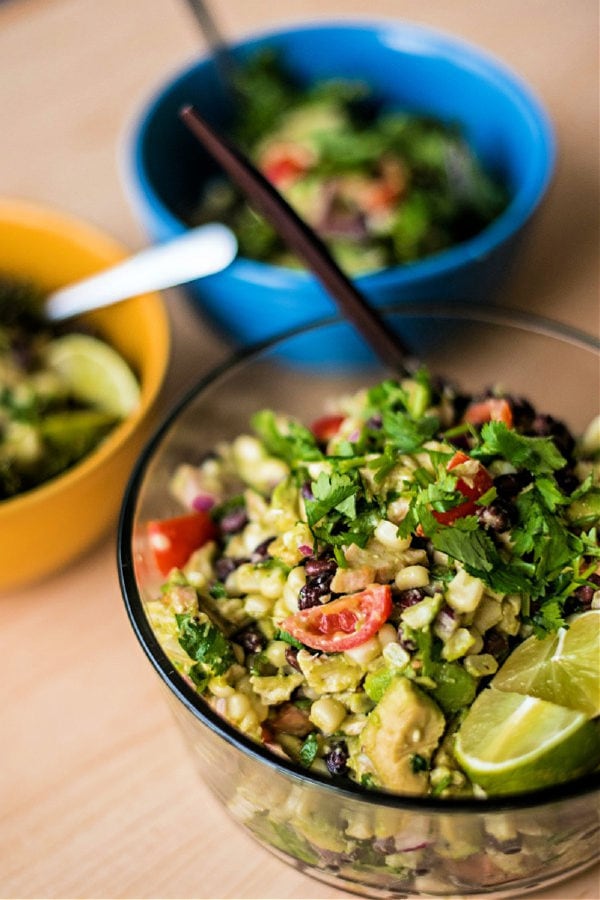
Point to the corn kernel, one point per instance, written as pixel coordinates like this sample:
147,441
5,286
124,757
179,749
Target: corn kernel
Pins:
412,577
327,714
464,592
387,635
365,652
275,653
257,606
238,705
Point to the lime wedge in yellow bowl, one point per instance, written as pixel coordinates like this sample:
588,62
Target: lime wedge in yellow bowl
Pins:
95,373
45,528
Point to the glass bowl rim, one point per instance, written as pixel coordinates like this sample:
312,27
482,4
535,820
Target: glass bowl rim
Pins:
193,702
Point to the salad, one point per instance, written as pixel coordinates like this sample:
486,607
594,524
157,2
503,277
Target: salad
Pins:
61,393
381,187
404,594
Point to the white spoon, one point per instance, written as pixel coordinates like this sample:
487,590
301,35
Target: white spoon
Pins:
199,252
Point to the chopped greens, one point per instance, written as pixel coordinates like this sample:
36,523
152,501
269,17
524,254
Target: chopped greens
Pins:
49,417
381,187
370,596
204,643
309,749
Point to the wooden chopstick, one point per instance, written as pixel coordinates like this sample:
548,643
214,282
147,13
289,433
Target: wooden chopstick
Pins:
301,238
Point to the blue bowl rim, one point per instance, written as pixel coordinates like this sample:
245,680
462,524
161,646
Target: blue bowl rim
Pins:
407,36
576,788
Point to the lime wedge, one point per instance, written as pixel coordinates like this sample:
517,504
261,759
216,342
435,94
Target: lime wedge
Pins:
509,743
95,373
563,668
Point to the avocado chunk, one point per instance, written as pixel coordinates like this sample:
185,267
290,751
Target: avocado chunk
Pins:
405,725
585,511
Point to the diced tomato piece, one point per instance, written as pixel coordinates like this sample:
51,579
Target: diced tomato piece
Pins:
174,540
475,487
457,460
343,623
326,427
457,512
282,171
492,409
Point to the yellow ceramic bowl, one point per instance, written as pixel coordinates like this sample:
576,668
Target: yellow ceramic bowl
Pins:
44,529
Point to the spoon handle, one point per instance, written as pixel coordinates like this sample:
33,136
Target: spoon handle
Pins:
302,239
194,254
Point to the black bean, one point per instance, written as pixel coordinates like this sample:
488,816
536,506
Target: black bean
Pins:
548,426
262,551
523,412
336,760
311,595
291,656
498,516
320,567
234,520
585,593
409,597
495,643
225,565
459,404
512,483
251,640
566,480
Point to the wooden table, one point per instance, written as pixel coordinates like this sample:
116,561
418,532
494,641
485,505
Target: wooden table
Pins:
97,795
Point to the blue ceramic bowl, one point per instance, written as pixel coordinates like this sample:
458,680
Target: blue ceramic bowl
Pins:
409,68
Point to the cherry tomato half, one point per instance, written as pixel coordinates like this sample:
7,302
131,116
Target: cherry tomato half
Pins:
326,427
479,481
492,409
174,540
343,623
285,170
284,163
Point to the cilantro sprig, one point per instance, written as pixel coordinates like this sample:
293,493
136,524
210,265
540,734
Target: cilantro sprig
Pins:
285,437
206,645
351,493
538,455
339,511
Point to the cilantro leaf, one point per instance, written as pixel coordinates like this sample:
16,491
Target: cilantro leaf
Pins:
407,434
281,635
205,644
465,542
309,749
217,590
539,455
548,618
331,491
285,438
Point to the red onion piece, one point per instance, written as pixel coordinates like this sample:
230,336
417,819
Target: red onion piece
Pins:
203,502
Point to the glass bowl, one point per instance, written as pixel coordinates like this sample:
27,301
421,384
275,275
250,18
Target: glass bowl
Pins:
366,841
